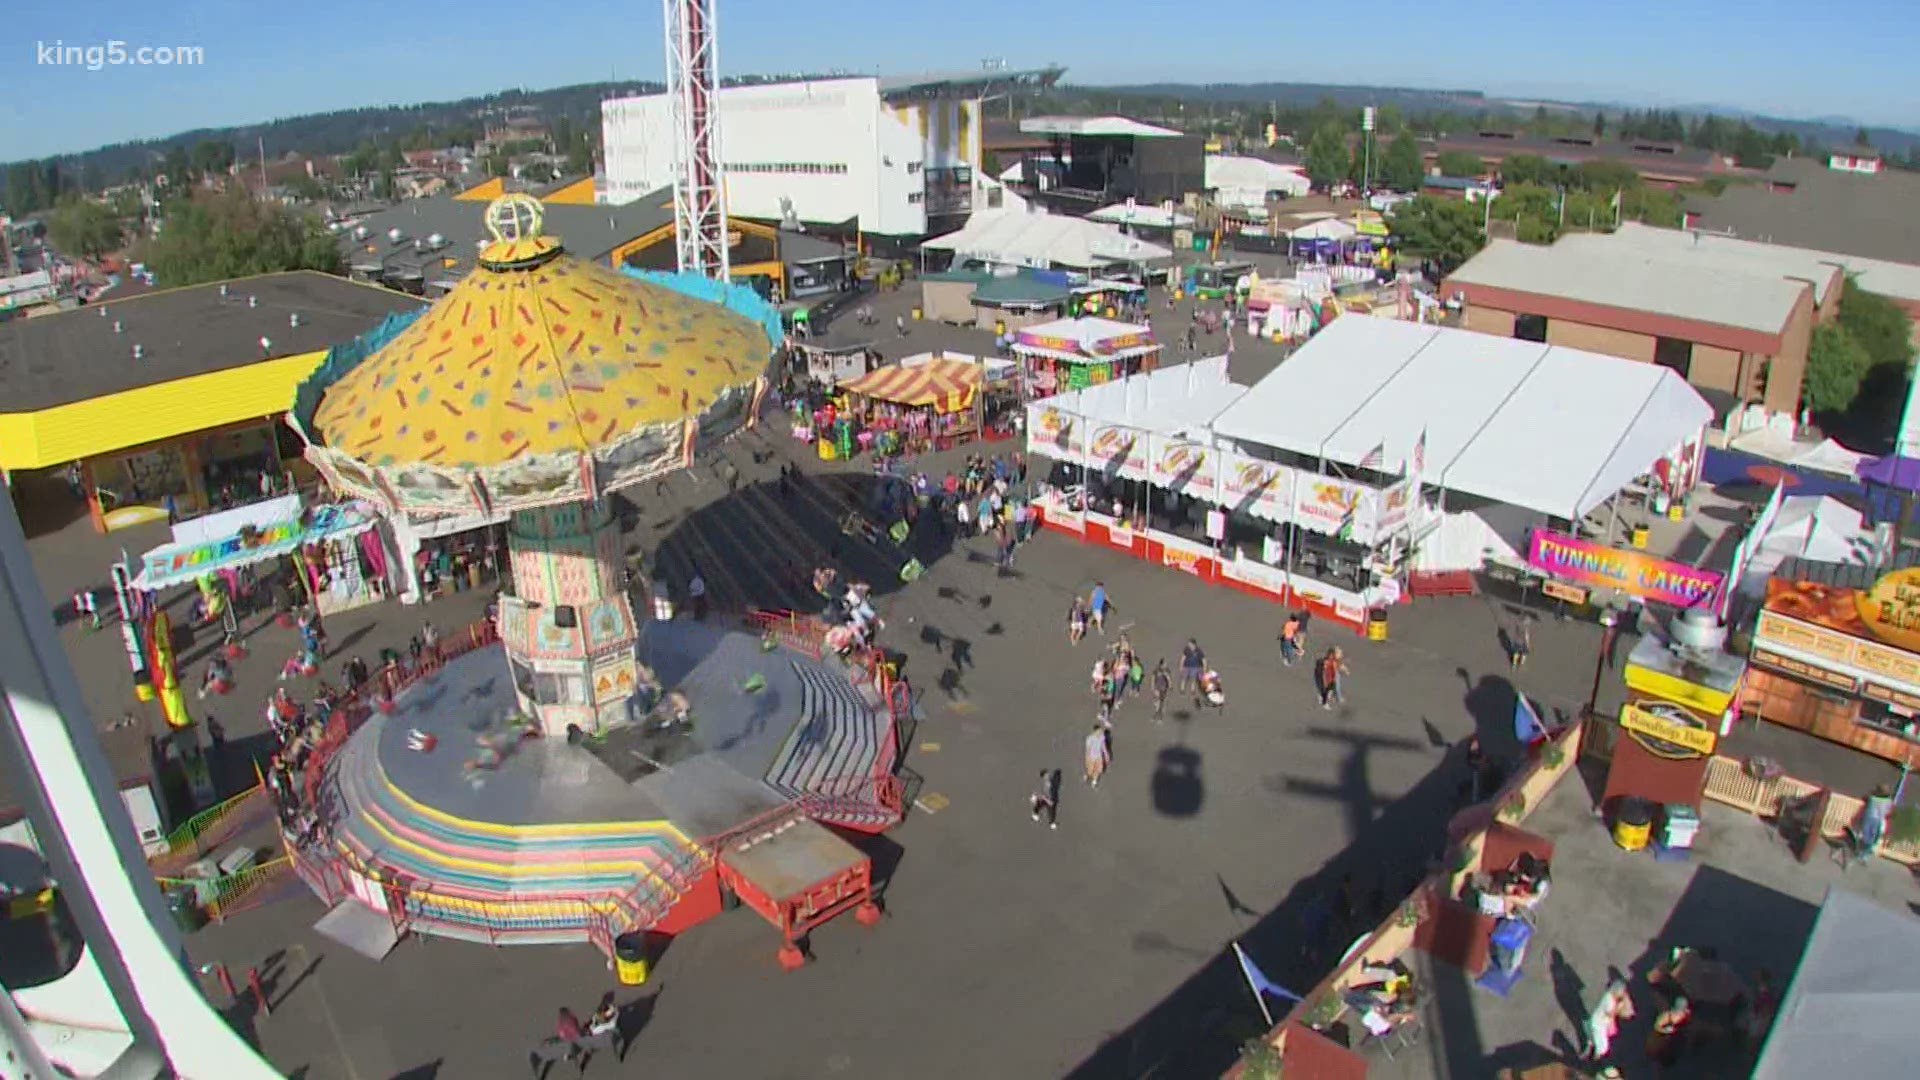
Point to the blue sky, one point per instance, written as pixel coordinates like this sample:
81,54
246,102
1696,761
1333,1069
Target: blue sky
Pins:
264,60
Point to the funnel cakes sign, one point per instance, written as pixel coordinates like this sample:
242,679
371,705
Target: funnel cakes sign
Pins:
1586,562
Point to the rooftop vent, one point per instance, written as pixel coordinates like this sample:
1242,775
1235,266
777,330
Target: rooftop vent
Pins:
395,235
139,352
360,232
116,326
103,312
253,301
293,320
223,288
266,344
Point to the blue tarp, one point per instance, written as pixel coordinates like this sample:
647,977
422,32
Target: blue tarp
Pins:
342,359
1735,467
739,299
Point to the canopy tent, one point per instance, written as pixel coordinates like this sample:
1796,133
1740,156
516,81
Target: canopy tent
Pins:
997,368
1902,473
1087,340
182,564
1178,401
1816,527
1552,429
1017,238
1852,998
947,386
1825,456
1325,229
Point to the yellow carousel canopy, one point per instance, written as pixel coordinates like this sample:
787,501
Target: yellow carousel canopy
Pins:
539,378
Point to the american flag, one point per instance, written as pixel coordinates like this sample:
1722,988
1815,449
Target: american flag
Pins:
1375,458
1420,453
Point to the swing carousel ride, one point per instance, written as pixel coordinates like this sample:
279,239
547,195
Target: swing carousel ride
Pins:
593,776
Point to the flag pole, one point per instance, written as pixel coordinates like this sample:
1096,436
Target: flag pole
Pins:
1259,998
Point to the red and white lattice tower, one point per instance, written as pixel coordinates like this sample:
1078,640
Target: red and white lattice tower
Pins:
699,205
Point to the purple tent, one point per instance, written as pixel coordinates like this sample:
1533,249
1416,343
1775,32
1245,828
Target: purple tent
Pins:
1902,473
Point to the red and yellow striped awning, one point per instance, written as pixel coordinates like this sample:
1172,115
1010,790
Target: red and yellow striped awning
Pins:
946,385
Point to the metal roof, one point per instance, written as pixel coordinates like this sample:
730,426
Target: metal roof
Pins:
982,78
1110,126
1870,217
1819,268
590,232
1636,281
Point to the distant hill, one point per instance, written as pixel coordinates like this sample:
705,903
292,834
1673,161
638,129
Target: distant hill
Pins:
344,130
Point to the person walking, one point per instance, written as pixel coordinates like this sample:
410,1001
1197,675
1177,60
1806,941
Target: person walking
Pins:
85,606
1519,643
1098,753
1604,1021
1076,621
1290,639
1046,798
1162,686
697,592
1098,606
1193,661
1333,675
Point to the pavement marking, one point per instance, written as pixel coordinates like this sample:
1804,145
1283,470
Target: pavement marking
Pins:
932,802
962,707
929,747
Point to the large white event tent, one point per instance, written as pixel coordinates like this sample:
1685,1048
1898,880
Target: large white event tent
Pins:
1177,402
1551,429
1044,241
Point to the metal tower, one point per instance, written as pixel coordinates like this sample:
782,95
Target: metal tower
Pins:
699,206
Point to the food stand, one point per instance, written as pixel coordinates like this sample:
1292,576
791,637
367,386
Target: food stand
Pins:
340,554
1680,692
932,405
1073,354
833,365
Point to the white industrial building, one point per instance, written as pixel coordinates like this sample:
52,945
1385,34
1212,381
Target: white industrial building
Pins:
896,156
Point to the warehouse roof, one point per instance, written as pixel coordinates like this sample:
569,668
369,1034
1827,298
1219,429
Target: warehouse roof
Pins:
88,352
1808,205
1635,281
1822,270
590,232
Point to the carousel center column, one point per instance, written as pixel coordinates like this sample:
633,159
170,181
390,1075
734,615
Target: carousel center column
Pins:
568,629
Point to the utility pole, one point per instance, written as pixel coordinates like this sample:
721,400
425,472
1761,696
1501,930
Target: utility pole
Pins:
1366,150
262,144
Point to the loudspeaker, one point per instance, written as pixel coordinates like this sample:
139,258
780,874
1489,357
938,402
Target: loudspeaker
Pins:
565,617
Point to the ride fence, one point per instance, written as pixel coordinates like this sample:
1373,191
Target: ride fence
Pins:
1732,783
211,828
231,894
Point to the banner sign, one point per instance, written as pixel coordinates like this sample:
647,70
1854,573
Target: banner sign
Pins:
179,563
1666,733
1590,563
1182,466
1828,633
1053,431
1263,489
1329,504
1396,505
1121,450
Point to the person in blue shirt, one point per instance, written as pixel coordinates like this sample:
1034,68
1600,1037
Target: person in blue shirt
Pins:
1097,607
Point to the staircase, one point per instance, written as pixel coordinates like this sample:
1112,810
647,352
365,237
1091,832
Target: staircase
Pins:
504,884
836,760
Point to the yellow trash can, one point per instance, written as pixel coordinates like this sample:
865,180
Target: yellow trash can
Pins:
1633,824
1676,512
630,959
828,451
999,328
143,690
1179,294
916,314
1641,534
1377,624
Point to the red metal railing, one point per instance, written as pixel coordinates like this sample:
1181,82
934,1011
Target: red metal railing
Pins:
803,634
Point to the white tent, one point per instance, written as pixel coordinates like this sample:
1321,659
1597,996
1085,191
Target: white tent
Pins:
1554,430
1324,229
1244,182
1176,401
1850,1007
1013,238
1774,443
1817,527
1151,217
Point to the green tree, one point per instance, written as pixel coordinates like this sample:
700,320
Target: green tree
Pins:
80,226
1599,125
1327,159
1835,365
209,158
232,235
1460,165
1446,232
1860,138
1529,169
1877,324
1401,166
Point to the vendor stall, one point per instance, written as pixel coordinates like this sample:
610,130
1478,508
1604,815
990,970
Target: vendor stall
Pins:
1072,354
928,406
1681,686
340,557
833,365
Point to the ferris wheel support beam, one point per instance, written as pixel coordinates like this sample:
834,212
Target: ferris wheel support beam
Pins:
699,207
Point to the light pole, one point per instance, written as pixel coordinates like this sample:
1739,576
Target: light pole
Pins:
1366,151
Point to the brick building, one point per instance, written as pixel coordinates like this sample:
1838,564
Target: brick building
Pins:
1736,325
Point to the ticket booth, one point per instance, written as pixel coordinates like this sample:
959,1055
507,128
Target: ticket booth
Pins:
1680,703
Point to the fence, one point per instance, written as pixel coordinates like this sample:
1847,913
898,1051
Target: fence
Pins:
1730,782
230,894
211,828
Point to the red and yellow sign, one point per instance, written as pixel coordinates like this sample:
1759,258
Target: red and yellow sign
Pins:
1852,633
